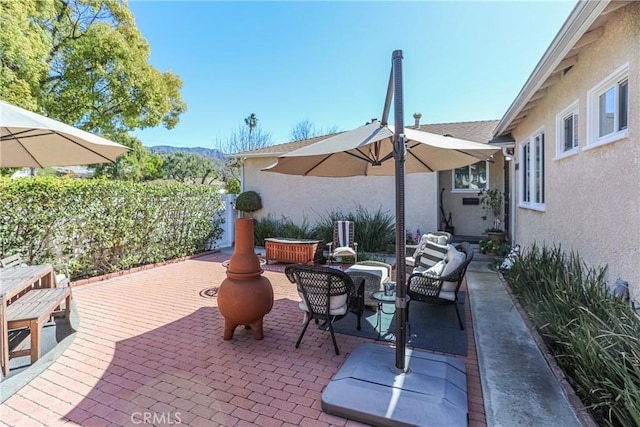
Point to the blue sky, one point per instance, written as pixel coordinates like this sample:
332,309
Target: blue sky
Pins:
329,62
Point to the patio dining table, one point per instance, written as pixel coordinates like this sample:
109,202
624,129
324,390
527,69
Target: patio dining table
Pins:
15,281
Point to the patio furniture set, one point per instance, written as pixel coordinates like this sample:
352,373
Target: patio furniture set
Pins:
30,296
327,293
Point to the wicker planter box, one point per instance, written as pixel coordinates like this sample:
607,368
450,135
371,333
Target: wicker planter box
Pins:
292,250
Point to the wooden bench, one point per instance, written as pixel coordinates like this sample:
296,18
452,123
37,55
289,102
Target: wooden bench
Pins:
32,311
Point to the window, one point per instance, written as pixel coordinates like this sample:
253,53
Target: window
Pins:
532,172
567,131
608,108
472,178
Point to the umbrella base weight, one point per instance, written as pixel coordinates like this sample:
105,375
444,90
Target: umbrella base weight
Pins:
368,388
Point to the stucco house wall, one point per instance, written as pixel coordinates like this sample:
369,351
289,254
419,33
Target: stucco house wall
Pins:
592,198
311,198
467,219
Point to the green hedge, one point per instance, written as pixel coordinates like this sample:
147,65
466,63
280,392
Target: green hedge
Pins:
594,336
99,226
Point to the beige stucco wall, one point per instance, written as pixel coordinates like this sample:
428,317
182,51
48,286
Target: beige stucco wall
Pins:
311,198
592,201
467,219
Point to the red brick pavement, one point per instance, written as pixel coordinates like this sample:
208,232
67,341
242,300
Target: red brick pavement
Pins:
149,350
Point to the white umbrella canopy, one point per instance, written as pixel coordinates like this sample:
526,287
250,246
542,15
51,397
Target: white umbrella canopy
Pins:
368,151
31,140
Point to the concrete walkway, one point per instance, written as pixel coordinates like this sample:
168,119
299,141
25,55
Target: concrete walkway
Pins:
518,385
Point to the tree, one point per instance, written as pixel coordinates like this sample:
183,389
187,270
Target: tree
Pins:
136,165
244,138
84,62
252,122
305,130
181,165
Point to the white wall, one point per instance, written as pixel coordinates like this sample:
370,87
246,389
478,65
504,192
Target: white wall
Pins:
311,198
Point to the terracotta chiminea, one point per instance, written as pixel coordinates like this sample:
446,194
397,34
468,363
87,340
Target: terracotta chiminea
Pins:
244,296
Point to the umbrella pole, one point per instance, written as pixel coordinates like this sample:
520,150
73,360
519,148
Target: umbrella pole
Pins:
399,154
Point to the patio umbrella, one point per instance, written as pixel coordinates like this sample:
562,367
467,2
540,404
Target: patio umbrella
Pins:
369,151
31,140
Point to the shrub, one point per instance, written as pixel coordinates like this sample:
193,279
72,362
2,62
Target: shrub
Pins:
248,201
98,226
594,336
491,246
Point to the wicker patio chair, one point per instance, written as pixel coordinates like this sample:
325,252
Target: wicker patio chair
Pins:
433,288
327,294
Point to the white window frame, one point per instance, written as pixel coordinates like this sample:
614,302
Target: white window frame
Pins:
573,112
532,185
612,81
468,190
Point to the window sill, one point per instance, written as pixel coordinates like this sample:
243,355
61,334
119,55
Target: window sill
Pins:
566,154
536,207
470,191
609,139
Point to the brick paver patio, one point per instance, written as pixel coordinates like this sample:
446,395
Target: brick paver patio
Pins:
149,350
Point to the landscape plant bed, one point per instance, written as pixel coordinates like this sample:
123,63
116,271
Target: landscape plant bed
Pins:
592,335
581,410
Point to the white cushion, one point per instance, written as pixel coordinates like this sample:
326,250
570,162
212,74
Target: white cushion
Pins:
346,250
382,272
454,259
451,296
337,303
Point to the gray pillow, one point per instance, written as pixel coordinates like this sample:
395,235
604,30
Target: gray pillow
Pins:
431,254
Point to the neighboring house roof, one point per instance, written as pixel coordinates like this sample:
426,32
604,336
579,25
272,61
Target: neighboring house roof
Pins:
479,131
584,25
279,149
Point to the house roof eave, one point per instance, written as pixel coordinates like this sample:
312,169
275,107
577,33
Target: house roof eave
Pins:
579,21
254,155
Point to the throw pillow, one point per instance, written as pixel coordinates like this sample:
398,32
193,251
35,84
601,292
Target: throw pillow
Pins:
431,254
438,238
429,237
436,270
454,259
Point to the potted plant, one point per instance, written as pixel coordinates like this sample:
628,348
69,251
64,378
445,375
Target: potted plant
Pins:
446,223
492,201
248,201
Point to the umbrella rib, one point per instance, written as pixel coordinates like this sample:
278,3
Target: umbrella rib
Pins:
316,165
17,135
419,160
362,156
85,147
26,150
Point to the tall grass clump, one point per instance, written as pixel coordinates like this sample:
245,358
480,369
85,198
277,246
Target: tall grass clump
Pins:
594,336
270,226
373,230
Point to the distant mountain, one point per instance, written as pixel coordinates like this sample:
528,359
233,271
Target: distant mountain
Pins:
207,152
